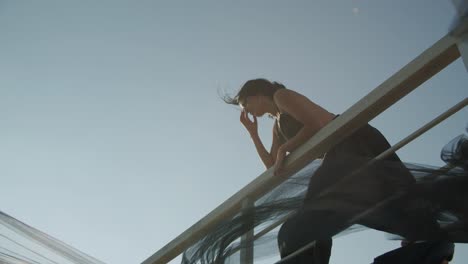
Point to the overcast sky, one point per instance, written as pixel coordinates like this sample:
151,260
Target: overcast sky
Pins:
112,134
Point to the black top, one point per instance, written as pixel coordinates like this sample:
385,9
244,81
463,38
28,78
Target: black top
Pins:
288,127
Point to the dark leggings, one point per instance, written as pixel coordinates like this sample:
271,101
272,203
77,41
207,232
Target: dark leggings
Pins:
320,225
291,237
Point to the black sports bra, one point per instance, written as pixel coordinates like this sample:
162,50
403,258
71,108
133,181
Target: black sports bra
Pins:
288,126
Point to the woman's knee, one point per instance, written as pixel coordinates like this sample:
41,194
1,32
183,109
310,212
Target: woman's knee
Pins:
290,240
303,229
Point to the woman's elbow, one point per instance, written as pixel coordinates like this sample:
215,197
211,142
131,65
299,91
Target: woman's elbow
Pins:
270,163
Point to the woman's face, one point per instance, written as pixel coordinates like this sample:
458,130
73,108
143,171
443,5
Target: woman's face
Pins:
253,105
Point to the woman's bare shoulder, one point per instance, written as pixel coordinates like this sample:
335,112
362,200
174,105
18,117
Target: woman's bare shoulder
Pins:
301,107
286,96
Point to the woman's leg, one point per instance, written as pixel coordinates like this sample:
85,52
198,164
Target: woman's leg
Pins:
306,227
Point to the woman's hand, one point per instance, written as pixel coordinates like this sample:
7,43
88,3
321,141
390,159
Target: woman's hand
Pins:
250,125
280,155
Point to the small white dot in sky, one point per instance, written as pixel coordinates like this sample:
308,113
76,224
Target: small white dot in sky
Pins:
355,10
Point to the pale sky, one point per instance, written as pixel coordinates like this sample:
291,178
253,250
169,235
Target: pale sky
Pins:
113,137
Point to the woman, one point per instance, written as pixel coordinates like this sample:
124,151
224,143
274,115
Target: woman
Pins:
260,97
350,190
327,195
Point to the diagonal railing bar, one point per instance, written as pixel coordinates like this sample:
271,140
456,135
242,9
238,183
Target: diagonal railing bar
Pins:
18,256
420,69
27,249
434,122
45,240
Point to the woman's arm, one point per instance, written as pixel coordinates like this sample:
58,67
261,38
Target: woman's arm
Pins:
266,157
252,128
276,143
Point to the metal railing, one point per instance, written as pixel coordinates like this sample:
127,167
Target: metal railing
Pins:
423,67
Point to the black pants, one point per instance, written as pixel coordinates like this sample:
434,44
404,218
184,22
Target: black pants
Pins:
292,237
361,192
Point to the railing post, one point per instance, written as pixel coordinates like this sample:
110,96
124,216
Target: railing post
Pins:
462,37
462,45
247,253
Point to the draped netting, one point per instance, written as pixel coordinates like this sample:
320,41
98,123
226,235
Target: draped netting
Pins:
21,243
437,195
